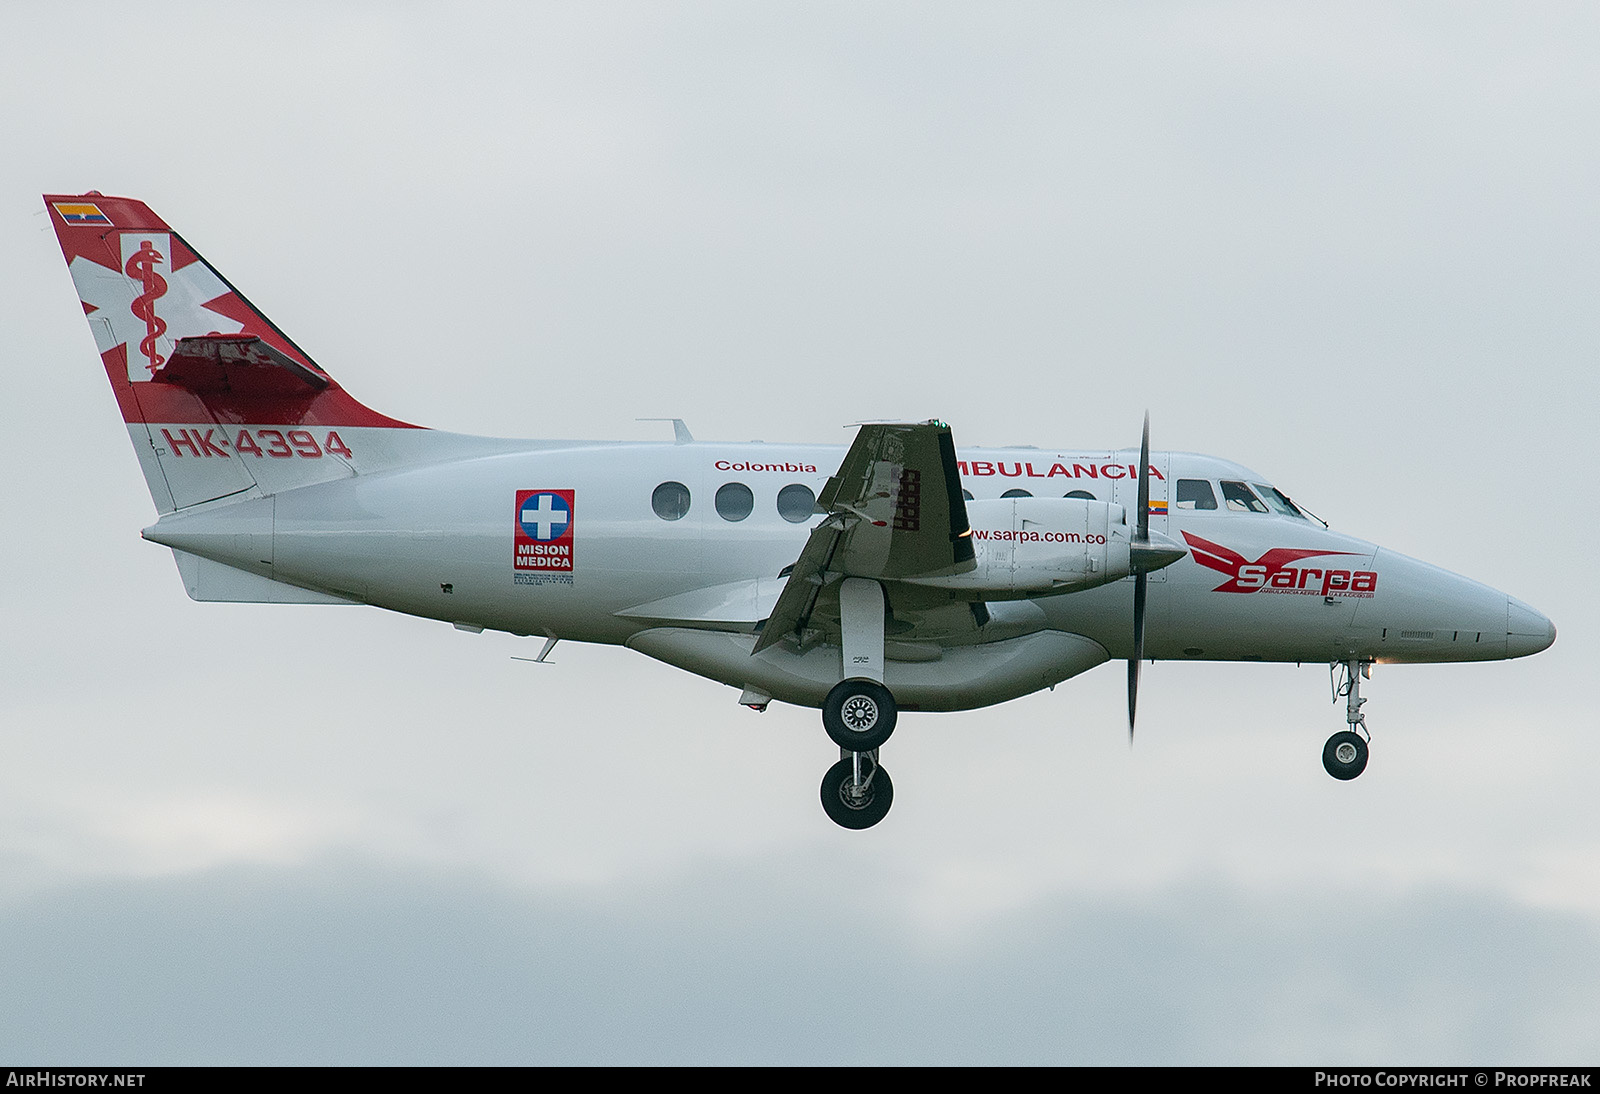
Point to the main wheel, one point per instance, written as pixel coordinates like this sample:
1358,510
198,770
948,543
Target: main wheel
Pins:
852,806
859,715
1345,755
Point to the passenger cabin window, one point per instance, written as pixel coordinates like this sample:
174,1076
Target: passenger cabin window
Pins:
670,501
1240,499
796,503
967,494
735,501
1017,492
1084,494
1195,494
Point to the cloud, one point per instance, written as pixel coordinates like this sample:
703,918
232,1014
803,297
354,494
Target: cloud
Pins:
351,961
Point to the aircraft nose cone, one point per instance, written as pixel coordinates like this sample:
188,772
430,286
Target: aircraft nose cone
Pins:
1527,630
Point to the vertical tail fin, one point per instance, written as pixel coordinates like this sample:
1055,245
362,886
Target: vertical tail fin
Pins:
218,400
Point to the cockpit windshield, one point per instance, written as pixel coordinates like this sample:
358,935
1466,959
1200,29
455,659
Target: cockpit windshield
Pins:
1279,501
1238,498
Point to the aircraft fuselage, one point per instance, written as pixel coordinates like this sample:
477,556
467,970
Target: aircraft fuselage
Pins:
441,540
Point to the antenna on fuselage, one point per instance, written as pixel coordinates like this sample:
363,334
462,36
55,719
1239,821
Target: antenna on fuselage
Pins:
680,432
549,644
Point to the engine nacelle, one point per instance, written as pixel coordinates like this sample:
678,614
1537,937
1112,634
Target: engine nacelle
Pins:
1037,546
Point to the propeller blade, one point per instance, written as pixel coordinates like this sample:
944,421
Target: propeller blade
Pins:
1141,545
1144,483
1138,650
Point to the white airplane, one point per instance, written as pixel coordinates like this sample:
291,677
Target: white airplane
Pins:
900,574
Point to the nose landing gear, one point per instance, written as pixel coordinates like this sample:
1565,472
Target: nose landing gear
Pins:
1345,754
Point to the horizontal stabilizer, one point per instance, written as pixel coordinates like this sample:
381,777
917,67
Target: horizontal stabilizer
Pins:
237,364
212,581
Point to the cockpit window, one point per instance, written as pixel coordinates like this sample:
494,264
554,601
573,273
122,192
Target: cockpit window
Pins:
1195,494
1240,499
1278,500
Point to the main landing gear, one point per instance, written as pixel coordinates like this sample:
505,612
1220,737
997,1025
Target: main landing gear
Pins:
1345,754
856,791
859,715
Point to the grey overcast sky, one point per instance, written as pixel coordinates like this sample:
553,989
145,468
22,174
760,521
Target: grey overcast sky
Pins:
1352,246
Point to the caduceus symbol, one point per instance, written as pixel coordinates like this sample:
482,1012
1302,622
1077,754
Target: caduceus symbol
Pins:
142,268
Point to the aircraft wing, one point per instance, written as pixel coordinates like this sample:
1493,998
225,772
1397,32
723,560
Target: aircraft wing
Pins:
894,511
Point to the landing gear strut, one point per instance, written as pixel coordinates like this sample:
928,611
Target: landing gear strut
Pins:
1345,754
856,792
859,713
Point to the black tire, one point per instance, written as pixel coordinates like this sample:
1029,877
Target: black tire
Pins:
1345,755
859,715
861,813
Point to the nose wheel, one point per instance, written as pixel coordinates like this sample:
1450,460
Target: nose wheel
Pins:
1345,754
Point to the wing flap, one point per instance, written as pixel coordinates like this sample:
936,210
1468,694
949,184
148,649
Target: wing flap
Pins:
895,511
806,579
737,603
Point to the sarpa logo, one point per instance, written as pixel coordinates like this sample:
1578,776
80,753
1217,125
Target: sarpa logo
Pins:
1276,572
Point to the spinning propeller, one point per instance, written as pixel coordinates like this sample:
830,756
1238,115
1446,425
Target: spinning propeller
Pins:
1145,555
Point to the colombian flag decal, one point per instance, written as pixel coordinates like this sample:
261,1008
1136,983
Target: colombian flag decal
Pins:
81,212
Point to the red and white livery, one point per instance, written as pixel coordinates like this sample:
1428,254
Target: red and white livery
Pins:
898,574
